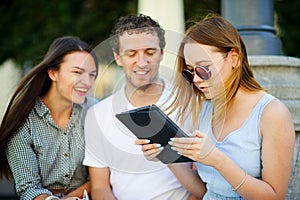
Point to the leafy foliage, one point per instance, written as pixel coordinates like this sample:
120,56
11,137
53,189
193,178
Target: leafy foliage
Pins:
28,27
288,20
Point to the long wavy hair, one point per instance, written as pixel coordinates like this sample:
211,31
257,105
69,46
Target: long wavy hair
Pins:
34,85
215,31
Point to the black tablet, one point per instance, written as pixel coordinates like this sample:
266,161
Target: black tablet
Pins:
150,122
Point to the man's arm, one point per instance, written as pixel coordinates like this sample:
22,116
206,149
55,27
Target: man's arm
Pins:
100,183
189,179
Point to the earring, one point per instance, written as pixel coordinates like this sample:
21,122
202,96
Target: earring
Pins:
232,67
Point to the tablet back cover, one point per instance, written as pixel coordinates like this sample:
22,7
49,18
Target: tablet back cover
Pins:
151,123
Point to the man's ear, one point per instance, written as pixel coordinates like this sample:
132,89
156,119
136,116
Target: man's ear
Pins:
52,74
117,59
234,58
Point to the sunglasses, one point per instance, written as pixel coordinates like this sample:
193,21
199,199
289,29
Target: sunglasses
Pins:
202,71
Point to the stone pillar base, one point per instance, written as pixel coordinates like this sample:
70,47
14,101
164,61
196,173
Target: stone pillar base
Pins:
281,76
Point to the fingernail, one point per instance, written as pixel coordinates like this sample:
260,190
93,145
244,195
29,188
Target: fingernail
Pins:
172,139
161,148
170,142
158,145
147,141
173,148
179,153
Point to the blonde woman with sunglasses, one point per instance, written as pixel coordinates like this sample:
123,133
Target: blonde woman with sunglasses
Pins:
244,139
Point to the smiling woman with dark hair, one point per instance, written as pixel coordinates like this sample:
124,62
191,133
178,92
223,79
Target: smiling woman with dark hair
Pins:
42,141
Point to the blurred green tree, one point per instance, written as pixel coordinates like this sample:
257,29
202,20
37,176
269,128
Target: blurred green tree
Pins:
287,17
28,27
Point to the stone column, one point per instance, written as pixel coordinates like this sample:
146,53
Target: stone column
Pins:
10,76
254,20
170,15
281,76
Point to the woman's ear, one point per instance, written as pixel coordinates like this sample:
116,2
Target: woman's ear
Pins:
234,58
52,74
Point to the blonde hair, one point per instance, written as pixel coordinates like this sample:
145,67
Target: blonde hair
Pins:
218,32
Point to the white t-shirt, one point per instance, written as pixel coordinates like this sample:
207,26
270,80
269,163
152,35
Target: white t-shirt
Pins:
110,144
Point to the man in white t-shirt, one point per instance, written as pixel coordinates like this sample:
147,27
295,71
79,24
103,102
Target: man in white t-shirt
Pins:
117,167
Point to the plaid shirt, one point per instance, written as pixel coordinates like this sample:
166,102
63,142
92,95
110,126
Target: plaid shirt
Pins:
43,156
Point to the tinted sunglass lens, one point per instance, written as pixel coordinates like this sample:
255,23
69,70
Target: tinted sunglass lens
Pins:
203,73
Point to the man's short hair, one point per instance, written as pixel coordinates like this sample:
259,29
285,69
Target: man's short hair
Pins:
135,24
